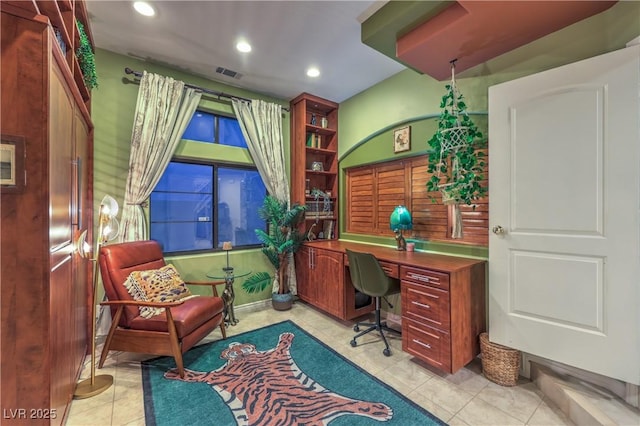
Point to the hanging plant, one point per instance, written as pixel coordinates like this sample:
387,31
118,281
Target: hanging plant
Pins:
86,58
455,164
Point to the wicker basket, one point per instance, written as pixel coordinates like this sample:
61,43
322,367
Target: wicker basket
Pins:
500,364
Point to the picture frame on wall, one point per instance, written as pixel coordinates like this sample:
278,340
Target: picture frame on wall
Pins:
12,158
402,139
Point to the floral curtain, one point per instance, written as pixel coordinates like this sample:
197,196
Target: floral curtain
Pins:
261,125
163,111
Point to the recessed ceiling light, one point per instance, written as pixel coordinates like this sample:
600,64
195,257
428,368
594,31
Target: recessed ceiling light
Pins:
313,72
144,8
243,46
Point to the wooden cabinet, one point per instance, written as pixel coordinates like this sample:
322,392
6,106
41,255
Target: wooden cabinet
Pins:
45,283
442,297
314,162
321,279
443,313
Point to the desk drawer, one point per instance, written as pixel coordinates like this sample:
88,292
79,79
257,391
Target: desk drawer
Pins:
424,276
391,269
428,344
426,304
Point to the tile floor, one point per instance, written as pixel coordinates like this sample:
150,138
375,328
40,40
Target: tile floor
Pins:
464,398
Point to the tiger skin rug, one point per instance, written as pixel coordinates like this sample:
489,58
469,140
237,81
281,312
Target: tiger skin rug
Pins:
263,384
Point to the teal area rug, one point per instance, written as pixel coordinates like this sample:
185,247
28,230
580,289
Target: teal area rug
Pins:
277,375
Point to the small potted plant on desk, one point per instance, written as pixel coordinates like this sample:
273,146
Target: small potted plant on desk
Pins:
280,242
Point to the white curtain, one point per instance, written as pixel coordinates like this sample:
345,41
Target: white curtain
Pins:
163,111
261,125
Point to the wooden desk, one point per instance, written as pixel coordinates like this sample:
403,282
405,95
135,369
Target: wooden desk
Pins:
442,297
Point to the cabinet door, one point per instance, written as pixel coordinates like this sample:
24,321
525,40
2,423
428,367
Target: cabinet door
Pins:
328,279
81,214
303,266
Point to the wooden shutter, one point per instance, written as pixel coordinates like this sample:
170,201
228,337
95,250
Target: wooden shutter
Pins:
391,189
360,200
374,190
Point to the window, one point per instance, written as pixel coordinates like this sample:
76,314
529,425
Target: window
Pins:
211,128
197,205
190,213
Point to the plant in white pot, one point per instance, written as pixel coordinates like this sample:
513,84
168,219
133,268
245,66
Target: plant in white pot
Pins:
280,242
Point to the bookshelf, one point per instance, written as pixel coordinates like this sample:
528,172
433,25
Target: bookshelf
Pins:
314,163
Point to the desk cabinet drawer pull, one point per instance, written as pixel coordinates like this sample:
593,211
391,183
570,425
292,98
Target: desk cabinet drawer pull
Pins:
423,305
419,277
426,345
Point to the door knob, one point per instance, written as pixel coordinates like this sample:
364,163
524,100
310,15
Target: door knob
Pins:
498,230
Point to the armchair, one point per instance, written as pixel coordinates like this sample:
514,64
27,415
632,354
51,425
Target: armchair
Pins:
180,327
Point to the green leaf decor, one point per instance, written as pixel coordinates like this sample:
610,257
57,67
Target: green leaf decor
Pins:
86,58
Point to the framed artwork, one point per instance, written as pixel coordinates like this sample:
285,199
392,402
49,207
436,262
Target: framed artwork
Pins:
402,139
12,177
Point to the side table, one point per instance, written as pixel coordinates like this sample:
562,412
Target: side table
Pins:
228,274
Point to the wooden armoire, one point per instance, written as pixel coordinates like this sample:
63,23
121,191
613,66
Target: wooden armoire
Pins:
46,202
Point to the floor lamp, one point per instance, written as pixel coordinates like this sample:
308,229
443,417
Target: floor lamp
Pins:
108,229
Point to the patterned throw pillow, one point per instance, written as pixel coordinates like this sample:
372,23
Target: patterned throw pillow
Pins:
156,285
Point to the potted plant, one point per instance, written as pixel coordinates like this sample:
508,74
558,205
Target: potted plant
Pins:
282,239
455,163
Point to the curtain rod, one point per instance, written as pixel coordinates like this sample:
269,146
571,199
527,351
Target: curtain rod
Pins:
217,94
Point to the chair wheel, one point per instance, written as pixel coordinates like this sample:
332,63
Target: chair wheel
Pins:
353,343
356,328
386,352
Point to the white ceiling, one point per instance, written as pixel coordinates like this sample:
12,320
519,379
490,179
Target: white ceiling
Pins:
287,37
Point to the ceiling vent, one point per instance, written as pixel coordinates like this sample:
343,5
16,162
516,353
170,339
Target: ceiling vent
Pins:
228,73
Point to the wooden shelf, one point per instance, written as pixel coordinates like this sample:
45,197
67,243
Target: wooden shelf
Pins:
314,217
321,151
325,131
318,172
63,16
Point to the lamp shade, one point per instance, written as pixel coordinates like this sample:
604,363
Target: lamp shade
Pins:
109,206
400,219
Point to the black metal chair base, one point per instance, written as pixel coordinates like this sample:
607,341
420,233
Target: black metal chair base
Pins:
378,325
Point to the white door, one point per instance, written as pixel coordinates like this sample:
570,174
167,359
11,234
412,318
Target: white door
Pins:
564,274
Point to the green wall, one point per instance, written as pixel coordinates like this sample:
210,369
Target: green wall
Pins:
367,120
366,126
113,106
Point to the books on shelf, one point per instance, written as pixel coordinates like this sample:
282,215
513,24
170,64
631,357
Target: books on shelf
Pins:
314,140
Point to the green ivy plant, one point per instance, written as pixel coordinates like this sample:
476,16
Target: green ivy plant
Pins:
456,172
86,58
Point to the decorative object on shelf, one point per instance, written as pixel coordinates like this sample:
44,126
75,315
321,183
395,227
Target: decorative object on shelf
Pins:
314,119
400,220
307,187
454,162
402,139
317,166
281,241
327,208
108,228
324,123
86,58
12,164
61,43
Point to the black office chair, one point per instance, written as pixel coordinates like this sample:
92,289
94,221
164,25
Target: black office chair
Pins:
369,278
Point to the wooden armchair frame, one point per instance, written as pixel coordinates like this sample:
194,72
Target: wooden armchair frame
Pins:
183,323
